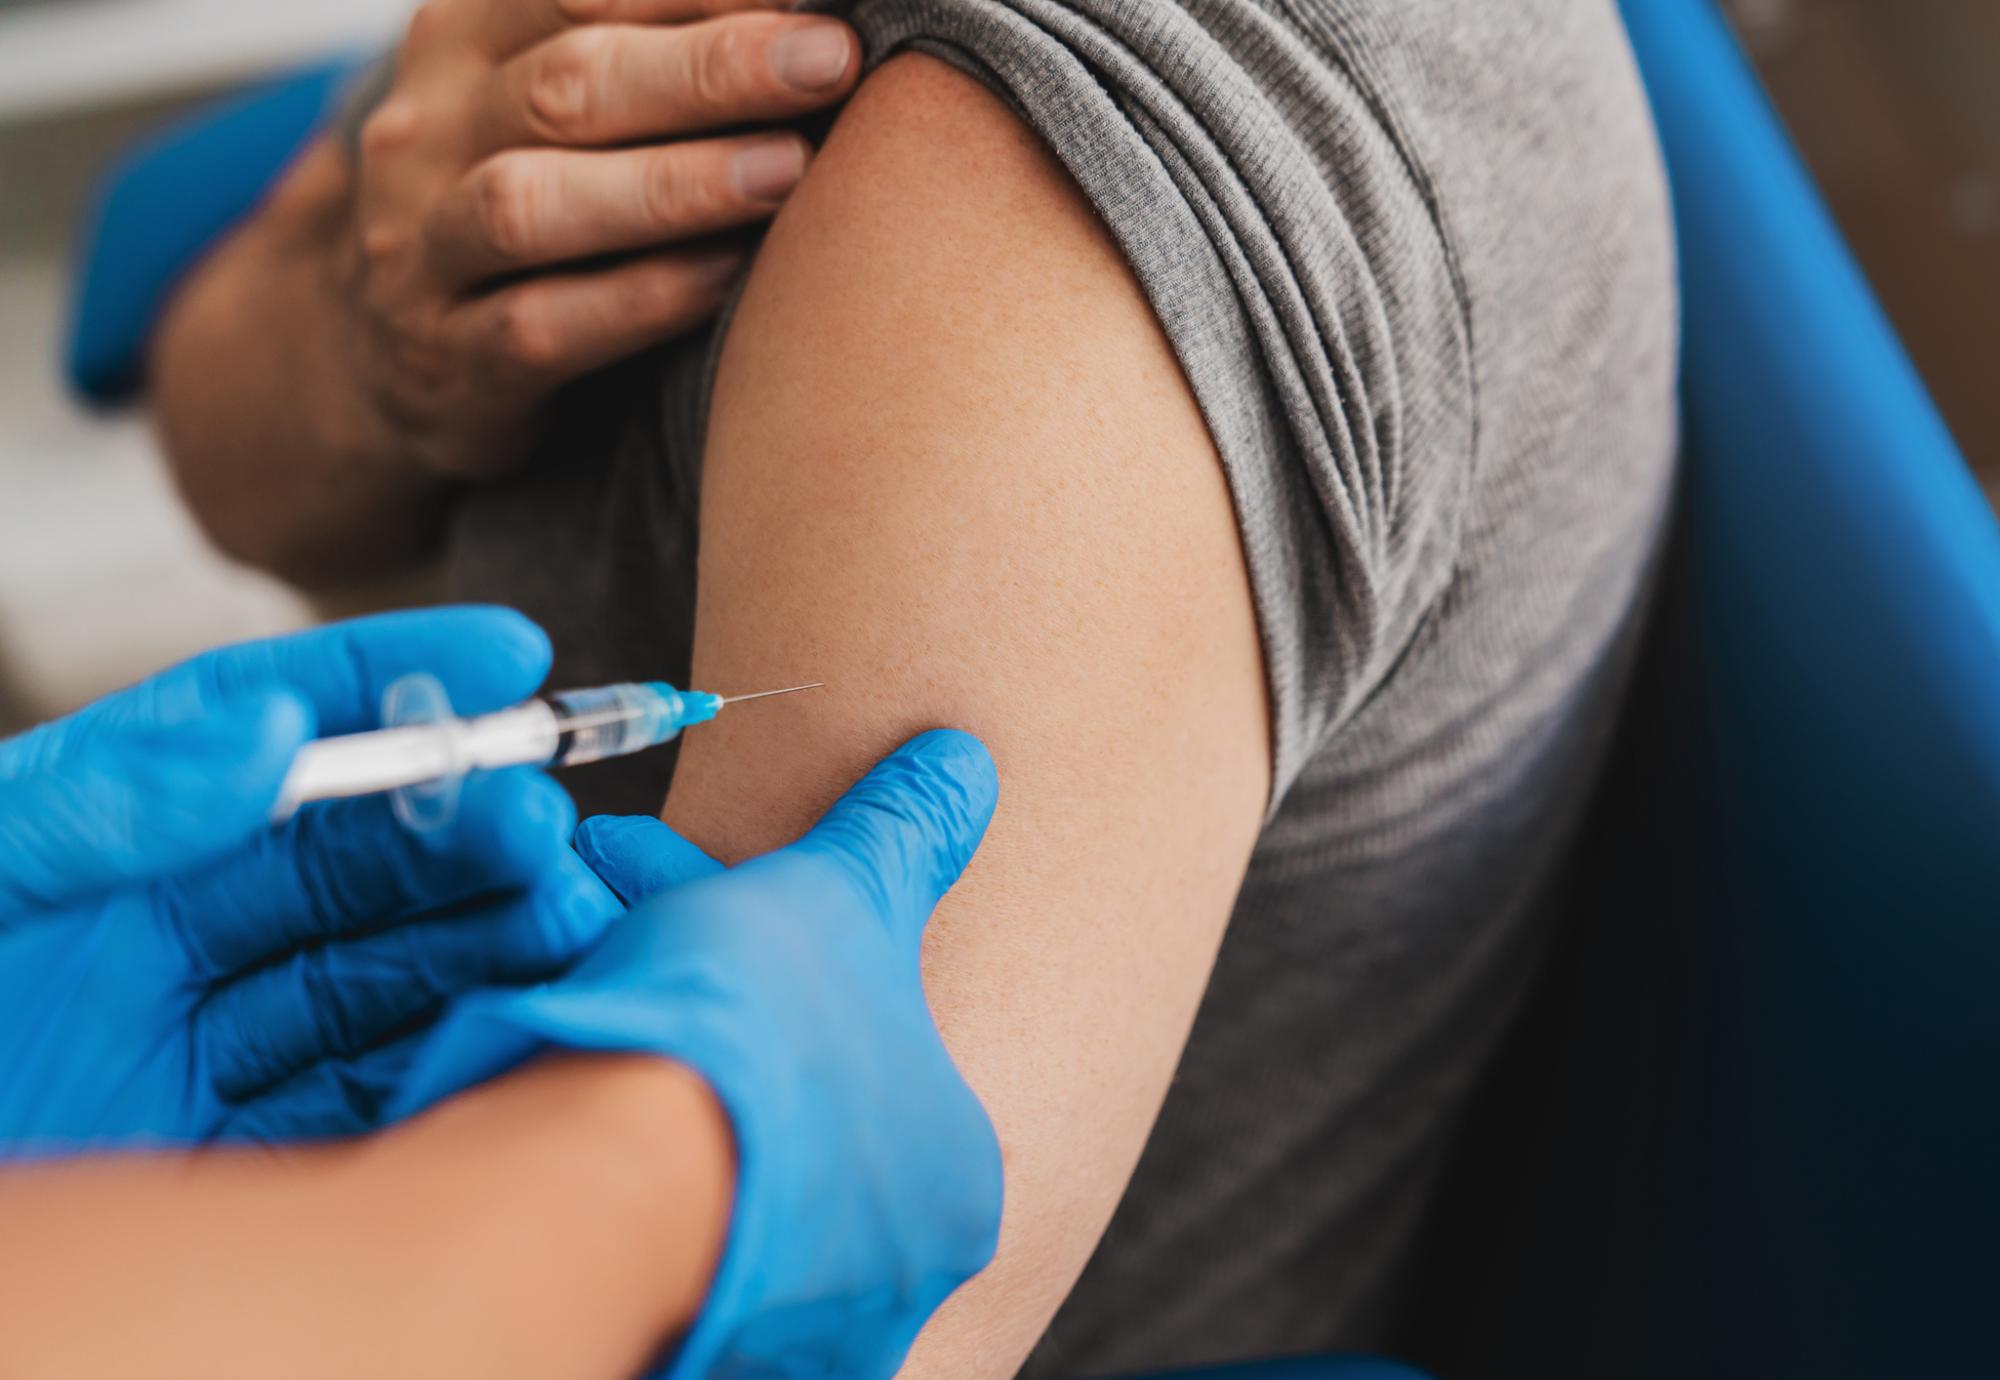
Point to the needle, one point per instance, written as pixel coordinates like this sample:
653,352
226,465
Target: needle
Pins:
766,694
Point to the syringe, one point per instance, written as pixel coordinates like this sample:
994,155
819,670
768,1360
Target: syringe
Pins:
424,751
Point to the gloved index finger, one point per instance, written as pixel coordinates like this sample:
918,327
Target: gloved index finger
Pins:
338,999
906,831
349,867
138,802
486,658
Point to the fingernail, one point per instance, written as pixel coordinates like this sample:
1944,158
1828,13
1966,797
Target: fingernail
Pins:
812,57
766,171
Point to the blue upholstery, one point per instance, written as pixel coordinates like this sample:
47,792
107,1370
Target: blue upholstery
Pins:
1752,1127
164,203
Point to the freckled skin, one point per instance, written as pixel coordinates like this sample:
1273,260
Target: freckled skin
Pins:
954,471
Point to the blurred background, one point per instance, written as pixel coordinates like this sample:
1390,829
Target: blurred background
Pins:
1894,102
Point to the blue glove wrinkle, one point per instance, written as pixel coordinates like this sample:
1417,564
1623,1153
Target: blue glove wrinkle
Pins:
356,983
639,856
938,787
333,1098
298,884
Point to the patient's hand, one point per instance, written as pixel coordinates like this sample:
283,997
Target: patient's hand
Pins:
538,195
522,142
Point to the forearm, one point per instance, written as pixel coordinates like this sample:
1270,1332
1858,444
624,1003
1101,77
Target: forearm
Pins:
254,396
563,1221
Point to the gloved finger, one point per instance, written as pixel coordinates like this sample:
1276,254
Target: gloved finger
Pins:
331,1099
146,800
906,831
639,856
349,866
486,658
336,1001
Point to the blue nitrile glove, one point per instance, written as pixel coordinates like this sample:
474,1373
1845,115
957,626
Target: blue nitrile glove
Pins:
172,970
868,1178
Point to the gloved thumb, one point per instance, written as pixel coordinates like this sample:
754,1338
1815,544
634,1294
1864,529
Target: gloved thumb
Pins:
137,801
639,857
907,830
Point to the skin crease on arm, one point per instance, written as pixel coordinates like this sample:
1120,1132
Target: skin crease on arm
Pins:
954,471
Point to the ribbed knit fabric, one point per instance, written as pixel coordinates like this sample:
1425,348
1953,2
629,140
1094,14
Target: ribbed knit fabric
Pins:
1415,259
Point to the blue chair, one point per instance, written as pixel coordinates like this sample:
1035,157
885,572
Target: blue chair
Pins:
1752,1123
165,202
1749,1124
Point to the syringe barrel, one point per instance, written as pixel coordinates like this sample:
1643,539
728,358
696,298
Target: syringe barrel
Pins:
612,721
563,729
389,759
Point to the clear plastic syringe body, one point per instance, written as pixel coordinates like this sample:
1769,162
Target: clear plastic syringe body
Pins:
562,729
616,720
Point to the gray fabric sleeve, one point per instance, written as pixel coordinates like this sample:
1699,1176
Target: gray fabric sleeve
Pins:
1290,246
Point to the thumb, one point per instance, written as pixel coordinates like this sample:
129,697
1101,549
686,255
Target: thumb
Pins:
144,799
909,828
639,857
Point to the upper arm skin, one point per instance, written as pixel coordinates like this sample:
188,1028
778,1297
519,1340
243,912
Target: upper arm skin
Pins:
954,471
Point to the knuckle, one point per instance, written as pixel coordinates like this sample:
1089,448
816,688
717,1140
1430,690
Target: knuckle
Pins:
390,129
527,339
562,82
507,204
678,191
415,342
427,22
664,297
332,1019
856,867
725,66
383,245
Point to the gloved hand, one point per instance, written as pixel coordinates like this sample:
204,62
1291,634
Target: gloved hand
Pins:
172,970
868,1178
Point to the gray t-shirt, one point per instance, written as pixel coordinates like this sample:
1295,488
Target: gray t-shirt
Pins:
1414,257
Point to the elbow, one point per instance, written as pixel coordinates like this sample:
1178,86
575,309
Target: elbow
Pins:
235,531
319,539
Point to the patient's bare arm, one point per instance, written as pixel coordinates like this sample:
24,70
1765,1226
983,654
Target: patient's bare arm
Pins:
954,471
